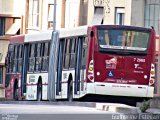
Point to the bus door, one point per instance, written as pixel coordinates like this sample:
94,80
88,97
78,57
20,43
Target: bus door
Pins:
24,69
81,66
59,68
69,63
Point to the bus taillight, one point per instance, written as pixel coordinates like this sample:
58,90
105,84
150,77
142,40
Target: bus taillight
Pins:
152,75
91,71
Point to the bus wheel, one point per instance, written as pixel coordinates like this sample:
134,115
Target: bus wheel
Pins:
39,92
15,92
70,92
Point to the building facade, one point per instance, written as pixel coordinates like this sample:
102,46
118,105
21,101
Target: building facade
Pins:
37,15
3,52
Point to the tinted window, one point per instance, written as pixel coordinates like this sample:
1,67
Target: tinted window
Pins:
70,53
66,54
84,52
19,59
73,53
123,39
31,58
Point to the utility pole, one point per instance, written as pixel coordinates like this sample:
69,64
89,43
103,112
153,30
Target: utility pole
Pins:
54,16
53,59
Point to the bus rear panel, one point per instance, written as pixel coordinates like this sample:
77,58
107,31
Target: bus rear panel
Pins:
121,63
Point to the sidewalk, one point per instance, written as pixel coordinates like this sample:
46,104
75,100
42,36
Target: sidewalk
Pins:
125,112
154,106
116,107
153,110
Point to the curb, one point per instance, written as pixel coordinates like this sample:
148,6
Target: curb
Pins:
61,103
120,108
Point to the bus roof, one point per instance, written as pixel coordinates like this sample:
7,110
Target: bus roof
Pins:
78,31
41,36
17,39
63,33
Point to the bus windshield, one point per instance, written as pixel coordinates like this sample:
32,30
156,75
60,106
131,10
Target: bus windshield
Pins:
123,39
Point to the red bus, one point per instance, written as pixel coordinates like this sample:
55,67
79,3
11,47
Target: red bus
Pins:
104,60
107,60
14,66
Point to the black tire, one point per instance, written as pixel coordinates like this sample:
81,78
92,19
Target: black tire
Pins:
39,92
70,92
15,92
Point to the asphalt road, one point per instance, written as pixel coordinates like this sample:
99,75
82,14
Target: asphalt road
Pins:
51,112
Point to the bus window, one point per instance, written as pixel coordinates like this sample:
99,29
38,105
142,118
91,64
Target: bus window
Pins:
20,50
103,37
123,39
73,53
110,37
140,40
11,48
38,57
45,58
9,59
66,54
84,52
31,58
70,53
46,49
115,37
38,50
15,59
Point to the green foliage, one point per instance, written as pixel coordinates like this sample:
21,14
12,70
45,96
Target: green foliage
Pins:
145,105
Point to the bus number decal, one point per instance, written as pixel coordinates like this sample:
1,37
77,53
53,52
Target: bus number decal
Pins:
139,60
